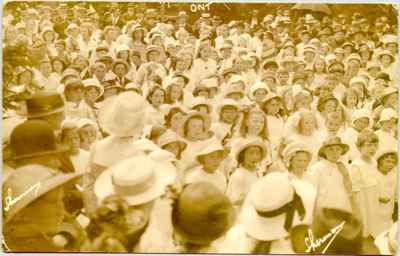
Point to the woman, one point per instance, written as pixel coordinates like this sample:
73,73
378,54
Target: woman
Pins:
137,43
204,66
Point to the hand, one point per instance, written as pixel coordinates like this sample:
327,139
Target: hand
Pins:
60,241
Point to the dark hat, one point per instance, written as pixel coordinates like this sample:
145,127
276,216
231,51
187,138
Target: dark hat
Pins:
34,138
43,104
105,58
202,213
333,141
73,83
270,64
120,61
323,100
333,67
384,76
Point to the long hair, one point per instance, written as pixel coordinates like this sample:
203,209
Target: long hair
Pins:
244,129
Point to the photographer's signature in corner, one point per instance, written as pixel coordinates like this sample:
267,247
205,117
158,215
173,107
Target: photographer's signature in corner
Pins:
313,244
10,201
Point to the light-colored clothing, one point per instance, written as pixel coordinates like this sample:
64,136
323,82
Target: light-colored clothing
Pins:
198,174
387,197
365,185
329,183
386,141
80,160
239,185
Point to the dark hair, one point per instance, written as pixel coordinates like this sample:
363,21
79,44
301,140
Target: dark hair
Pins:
152,91
168,99
170,114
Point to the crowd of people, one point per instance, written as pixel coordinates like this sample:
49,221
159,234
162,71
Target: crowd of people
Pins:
127,130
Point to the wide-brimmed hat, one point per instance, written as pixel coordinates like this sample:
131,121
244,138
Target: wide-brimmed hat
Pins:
258,86
386,151
93,82
388,91
200,101
73,83
271,96
139,180
274,204
210,148
233,89
69,72
323,100
124,114
155,48
202,213
333,141
294,147
227,102
43,104
243,144
34,138
386,52
70,27
29,183
169,137
387,114
361,113
120,61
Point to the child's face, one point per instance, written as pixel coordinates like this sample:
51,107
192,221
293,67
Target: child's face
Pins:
387,163
307,124
255,123
387,125
57,66
252,155
300,160
361,123
330,106
351,99
91,93
176,121
228,114
333,153
235,96
333,124
74,94
386,60
73,140
173,147
212,161
259,95
157,98
175,93
273,106
195,128
120,70
88,134
368,149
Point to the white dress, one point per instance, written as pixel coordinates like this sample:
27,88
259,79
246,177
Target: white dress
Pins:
198,174
239,185
386,140
387,198
365,184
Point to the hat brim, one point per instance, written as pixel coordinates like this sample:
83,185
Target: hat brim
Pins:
250,144
165,175
42,188
344,147
59,149
35,115
268,229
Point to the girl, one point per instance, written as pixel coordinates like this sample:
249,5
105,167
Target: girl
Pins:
204,66
75,106
58,66
387,179
274,111
386,132
174,92
228,116
319,68
156,98
70,137
297,157
43,76
364,175
248,155
258,92
88,133
137,43
304,129
350,102
174,118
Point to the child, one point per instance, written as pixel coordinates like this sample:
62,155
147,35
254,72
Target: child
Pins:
360,121
364,176
387,178
330,176
249,154
387,123
209,170
272,106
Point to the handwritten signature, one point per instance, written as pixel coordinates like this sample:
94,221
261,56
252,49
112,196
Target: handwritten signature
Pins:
10,201
312,245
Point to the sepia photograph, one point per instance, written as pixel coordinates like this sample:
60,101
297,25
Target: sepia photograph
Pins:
200,127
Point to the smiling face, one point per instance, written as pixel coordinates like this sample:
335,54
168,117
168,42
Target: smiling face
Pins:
252,156
300,161
195,129
387,163
333,153
157,98
211,161
229,114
